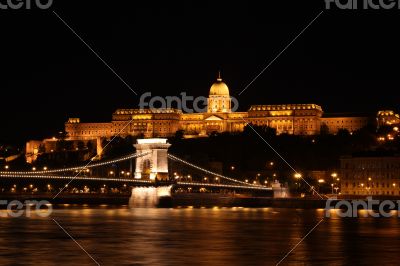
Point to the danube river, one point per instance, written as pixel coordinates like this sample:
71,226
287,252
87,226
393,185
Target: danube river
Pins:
189,236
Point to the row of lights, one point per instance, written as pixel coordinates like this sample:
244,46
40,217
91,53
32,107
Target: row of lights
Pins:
78,178
209,172
223,185
80,168
49,187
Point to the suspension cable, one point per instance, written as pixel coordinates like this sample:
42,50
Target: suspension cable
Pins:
77,168
209,172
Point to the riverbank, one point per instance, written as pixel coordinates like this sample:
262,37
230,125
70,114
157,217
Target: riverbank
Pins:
195,200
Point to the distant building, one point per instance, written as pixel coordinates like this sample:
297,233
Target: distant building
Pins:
370,174
387,118
349,121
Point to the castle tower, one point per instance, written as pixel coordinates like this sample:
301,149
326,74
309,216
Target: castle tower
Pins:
219,100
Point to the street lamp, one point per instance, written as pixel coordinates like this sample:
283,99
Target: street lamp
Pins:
6,167
297,175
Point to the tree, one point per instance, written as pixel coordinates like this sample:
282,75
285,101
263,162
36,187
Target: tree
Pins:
324,129
80,145
264,131
343,133
42,148
89,145
179,134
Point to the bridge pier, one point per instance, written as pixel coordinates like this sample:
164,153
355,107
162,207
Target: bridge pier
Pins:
153,165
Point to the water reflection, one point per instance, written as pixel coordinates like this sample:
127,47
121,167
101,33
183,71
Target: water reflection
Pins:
213,236
146,197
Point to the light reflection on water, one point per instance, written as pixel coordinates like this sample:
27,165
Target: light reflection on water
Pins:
199,236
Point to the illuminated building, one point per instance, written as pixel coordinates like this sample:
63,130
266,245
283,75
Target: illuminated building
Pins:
370,174
387,117
297,119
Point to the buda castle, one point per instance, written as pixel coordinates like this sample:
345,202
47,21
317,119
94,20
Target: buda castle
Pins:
297,119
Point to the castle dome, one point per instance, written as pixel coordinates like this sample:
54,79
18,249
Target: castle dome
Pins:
219,88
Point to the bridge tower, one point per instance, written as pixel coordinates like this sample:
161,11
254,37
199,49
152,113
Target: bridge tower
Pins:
153,165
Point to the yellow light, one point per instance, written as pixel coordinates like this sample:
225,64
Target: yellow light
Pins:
297,175
369,178
45,168
33,168
232,167
321,181
271,163
216,178
6,167
111,172
362,184
247,181
394,184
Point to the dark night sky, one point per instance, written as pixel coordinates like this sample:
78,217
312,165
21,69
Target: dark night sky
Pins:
345,61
